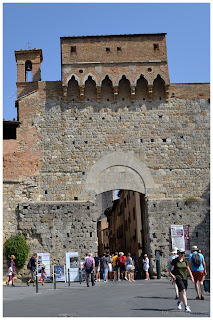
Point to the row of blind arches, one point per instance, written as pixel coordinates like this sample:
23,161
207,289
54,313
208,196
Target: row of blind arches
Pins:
124,89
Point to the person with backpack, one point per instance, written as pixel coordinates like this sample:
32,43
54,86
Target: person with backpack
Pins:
32,267
121,260
179,274
198,266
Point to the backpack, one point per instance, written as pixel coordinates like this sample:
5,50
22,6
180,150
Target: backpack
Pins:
122,261
196,260
29,265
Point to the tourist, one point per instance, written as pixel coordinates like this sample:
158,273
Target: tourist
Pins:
146,266
10,275
104,262
110,271
173,255
179,274
121,260
130,267
12,262
33,264
140,266
89,265
115,266
97,267
198,267
43,274
134,260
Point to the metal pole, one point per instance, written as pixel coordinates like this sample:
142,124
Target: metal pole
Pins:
54,281
69,277
36,282
158,269
80,277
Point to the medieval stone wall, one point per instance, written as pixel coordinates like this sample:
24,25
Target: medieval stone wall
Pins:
111,123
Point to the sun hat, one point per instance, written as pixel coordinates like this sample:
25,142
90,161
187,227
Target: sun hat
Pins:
44,265
145,255
194,248
173,251
181,250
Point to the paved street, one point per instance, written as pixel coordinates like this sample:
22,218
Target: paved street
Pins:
154,298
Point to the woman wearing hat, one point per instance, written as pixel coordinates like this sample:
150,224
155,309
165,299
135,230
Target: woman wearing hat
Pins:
179,275
173,255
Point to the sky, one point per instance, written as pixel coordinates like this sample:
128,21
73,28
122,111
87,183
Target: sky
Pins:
42,24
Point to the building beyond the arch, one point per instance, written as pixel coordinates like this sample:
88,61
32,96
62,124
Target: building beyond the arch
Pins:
114,100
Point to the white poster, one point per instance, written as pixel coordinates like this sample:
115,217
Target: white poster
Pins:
177,235
43,258
72,266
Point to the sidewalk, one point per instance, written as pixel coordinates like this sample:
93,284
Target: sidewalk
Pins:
154,298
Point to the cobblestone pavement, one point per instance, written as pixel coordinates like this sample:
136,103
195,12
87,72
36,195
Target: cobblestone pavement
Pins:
154,298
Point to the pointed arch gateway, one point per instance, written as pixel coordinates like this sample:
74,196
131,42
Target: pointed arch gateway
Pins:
119,170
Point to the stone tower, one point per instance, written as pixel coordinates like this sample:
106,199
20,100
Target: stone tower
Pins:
28,70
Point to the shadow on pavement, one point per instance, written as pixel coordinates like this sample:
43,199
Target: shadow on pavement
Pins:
171,310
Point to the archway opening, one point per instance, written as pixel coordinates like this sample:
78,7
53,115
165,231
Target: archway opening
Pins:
122,225
107,90
124,89
73,91
90,92
159,89
141,91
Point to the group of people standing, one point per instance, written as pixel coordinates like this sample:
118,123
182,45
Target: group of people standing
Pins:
179,268
116,266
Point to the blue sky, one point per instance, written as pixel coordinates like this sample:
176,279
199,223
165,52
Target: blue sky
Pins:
42,24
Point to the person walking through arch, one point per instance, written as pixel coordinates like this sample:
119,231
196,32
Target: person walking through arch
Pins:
179,274
198,267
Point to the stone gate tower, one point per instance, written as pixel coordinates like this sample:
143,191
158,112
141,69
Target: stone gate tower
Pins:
114,121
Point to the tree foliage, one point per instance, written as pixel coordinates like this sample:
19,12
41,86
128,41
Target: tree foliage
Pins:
17,246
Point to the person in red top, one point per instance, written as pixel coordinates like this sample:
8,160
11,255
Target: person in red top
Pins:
121,261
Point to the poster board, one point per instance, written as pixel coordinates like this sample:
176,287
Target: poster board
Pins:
43,258
59,273
72,264
177,235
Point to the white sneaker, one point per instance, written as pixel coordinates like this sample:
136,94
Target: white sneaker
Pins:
179,305
125,278
187,309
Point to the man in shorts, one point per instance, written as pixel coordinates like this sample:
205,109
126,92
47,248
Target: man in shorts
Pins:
198,271
33,270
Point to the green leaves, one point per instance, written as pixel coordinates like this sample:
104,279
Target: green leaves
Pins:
17,246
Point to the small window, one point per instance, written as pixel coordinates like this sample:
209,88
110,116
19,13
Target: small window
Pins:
73,49
107,49
156,46
118,48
